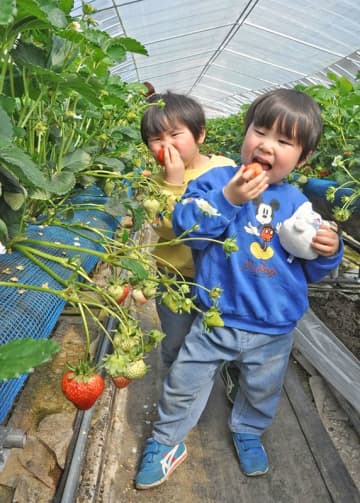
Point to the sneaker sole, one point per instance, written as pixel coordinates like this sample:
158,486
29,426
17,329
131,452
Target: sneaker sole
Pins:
256,474
179,460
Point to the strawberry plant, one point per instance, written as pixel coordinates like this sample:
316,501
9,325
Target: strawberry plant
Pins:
338,155
224,136
67,123
63,114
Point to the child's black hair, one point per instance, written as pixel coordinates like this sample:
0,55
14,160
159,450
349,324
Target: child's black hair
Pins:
178,109
295,114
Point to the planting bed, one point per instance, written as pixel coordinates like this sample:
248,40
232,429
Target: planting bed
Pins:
341,314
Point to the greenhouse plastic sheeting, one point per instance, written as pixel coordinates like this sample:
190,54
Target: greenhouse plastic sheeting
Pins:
226,53
34,314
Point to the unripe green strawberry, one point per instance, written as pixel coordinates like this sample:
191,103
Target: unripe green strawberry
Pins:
302,179
152,207
212,318
109,187
136,369
170,302
130,329
187,305
115,364
128,344
149,289
131,116
156,336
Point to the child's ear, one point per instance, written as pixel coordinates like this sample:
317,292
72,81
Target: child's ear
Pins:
202,136
304,161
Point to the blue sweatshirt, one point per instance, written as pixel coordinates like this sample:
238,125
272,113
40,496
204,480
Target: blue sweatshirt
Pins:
261,290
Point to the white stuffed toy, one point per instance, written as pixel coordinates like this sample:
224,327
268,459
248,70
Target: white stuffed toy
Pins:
296,233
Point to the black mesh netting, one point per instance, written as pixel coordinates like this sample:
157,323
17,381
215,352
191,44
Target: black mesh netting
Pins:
27,313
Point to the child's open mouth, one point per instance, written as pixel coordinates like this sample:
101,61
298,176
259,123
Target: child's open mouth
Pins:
266,166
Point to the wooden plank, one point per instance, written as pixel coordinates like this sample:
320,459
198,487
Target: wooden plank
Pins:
293,475
211,473
333,471
329,356
352,414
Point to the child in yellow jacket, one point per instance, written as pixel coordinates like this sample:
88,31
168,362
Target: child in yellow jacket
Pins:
174,130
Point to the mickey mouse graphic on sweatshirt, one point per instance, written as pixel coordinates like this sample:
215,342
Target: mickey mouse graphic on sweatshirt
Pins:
262,291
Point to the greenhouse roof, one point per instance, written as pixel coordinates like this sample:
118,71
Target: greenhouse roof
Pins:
225,53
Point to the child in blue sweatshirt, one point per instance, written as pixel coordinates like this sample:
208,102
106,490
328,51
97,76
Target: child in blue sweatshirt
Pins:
263,293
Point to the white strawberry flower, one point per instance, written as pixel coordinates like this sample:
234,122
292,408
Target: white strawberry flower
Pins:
75,26
2,249
206,208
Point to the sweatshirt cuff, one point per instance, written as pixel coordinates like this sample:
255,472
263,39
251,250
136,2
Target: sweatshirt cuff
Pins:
227,209
174,185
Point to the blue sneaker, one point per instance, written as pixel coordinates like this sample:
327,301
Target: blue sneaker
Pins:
158,462
251,453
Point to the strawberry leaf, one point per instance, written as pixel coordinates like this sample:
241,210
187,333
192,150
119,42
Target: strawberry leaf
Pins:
22,355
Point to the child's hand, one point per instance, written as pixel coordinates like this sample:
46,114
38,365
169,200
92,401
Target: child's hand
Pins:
244,186
173,166
326,241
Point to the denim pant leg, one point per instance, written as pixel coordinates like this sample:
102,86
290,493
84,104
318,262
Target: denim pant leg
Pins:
189,381
263,363
175,327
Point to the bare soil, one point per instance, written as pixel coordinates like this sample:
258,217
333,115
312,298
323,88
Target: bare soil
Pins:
341,314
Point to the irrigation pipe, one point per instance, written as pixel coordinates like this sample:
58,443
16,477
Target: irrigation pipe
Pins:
70,479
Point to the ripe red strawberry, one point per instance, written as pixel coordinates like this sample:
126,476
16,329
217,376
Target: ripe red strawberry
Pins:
121,381
82,389
161,155
255,167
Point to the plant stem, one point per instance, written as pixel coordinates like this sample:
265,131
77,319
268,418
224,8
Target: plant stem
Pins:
25,251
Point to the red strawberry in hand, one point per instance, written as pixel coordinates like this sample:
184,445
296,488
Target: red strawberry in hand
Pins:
82,386
161,155
255,168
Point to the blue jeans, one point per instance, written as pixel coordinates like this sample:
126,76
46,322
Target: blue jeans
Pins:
175,327
262,360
